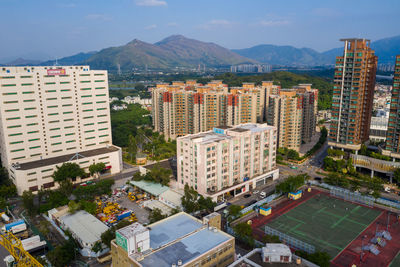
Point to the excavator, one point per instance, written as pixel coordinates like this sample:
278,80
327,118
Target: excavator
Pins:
15,248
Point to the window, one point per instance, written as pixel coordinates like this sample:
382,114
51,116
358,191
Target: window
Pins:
34,147
13,126
17,150
13,118
9,93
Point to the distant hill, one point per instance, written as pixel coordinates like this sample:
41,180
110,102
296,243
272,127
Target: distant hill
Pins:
71,60
386,50
284,55
22,62
174,51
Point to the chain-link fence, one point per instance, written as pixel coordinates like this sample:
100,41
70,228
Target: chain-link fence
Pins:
352,196
260,203
289,240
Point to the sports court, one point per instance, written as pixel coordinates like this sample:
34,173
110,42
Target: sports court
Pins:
328,223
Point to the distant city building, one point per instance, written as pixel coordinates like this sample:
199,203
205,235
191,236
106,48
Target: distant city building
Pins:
179,240
188,108
228,161
378,128
353,94
294,113
252,68
393,133
51,115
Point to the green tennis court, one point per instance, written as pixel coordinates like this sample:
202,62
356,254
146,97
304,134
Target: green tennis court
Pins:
327,223
396,261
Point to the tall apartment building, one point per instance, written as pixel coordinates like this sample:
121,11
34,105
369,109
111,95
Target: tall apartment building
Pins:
293,112
353,94
179,240
50,115
188,108
393,130
227,161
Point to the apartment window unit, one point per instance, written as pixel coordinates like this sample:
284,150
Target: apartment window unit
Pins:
32,132
85,89
89,117
10,102
32,108
64,82
106,157
8,77
86,110
70,141
51,91
54,129
100,88
12,110
87,124
13,93
103,115
68,134
100,102
101,108
29,100
35,139
104,135
55,136
101,95
49,83
31,173
27,92
13,126
56,144
99,81
17,150
54,121
87,103
52,106
102,129
65,90
66,97
83,162
102,122
69,127
68,112
47,170
89,131
85,81
8,85
52,114
25,76
70,148
83,96
99,74
22,157
67,105
16,142
91,144
13,118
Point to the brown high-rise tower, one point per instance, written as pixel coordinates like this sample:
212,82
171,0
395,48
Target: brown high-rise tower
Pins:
353,94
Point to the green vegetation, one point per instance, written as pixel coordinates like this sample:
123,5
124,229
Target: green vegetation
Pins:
340,165
96,168
156,175
7,188
292,183
322,259
287,154
160,149
89,192
156,215
335,152
87,206
366,152
244,232
319,144
193,201
64,254
68,170
123,89
396,175
126,122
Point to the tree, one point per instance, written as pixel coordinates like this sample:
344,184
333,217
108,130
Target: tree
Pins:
96,168
206,203
396,175
234,210
293,154
109,235
44,227
97,247
271,239
3,203
62,255
132,147
244,232
322,259
88,206
189,199
68,170
156,215
27,200
66,187
73,207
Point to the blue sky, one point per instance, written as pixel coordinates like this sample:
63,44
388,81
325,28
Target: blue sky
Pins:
52,28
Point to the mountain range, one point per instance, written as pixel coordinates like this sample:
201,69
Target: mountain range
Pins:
178,51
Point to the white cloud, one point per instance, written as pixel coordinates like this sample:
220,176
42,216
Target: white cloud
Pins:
98,17
270,23
217,23
150,27
172,24
151,3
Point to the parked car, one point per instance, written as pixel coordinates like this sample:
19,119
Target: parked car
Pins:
256,191
263,194
247,196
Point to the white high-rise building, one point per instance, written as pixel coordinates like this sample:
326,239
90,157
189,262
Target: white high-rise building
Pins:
50,115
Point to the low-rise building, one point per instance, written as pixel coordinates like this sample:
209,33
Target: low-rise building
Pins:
227,161
179,240
85,228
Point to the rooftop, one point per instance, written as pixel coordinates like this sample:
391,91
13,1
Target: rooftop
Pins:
180,237
84,225
69,157
150,187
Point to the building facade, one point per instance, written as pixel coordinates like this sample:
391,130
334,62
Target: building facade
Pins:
227,161
188,107
353,94
51,112
393,130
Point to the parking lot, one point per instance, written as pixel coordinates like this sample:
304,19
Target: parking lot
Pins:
142,214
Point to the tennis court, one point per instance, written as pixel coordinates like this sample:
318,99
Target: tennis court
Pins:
329,224
396,261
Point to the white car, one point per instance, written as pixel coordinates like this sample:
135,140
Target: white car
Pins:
256,192
263,194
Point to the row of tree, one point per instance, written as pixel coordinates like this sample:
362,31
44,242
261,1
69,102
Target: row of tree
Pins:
292,183
156,174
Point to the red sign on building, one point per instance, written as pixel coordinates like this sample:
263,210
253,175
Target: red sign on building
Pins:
56,72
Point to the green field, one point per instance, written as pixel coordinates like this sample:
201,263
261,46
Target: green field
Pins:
396,261
327,223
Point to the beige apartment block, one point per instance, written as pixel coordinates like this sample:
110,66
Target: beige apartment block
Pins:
52,112
187,108
228,161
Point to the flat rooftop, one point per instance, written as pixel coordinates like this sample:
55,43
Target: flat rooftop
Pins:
61,159
180,237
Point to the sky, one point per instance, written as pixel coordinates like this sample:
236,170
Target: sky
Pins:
49,29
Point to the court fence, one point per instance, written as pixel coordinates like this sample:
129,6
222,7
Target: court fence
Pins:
289,240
